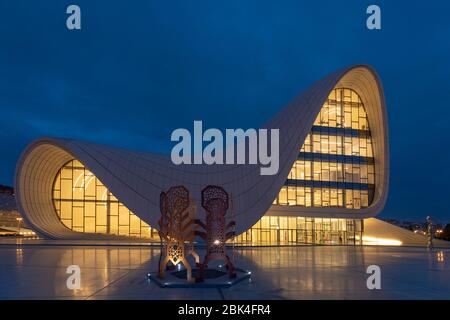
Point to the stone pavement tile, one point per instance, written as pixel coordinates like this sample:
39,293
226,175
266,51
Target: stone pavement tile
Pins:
304,272
38,282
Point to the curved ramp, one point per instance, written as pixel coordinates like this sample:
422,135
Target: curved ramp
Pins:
383,231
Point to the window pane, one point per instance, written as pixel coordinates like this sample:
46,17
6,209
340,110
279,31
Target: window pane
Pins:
87,202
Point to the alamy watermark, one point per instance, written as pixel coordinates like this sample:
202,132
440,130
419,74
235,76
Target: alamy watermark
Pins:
73,21
73,282
228,148
374,280
373,22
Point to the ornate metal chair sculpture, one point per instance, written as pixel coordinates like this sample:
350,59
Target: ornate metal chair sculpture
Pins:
216,231
177,229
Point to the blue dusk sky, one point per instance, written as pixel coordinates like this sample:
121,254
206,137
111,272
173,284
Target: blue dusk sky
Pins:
137,70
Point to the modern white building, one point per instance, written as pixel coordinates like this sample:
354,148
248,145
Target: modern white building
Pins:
333,176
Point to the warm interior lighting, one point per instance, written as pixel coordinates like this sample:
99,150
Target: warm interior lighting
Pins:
84,204
216,242
344,109
380,241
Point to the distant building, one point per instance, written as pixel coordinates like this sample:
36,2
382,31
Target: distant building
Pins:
8,208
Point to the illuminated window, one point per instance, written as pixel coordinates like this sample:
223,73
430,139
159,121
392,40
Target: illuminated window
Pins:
271,230
335,167
84,204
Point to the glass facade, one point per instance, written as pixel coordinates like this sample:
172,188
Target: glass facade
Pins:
277,230
84,204
335,165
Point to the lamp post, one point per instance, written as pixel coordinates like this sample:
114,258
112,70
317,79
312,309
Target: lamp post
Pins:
430,233
19,222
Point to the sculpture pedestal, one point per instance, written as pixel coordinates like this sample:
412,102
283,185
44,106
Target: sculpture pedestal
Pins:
213,278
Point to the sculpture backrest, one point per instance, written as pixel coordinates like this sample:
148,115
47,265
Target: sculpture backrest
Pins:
213,197
173,204
215,202
177,204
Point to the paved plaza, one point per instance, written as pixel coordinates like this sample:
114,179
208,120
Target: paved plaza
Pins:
304,272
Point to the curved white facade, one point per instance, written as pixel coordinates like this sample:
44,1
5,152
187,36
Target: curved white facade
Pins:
137,179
